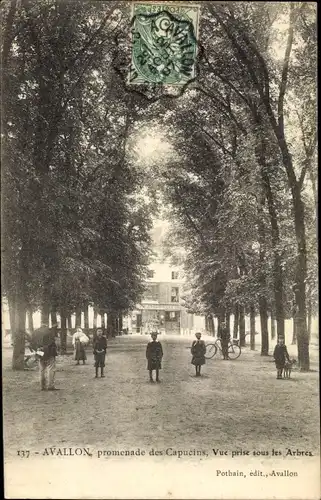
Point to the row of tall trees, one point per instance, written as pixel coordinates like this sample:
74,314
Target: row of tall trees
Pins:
73,231
243,192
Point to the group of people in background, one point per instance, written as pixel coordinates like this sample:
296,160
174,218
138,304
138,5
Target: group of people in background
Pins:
48,352
44,349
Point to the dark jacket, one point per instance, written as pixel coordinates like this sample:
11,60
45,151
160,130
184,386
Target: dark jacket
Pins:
225,336
154,350
281,353
100,344
198,348
198,351
49,347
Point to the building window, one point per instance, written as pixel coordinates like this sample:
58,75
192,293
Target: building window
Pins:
175,294
172,316
151,292
175,275
150,273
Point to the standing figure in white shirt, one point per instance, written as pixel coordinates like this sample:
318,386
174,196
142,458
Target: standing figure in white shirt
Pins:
79,341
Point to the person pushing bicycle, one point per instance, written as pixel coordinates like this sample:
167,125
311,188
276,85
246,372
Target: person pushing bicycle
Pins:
225,337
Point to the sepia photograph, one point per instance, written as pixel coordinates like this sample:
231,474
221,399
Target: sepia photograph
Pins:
159,250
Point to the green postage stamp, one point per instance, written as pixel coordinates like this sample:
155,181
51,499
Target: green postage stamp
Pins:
164,43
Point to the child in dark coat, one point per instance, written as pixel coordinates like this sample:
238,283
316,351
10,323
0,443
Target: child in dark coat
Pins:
154,355
100,348
198,351
280,356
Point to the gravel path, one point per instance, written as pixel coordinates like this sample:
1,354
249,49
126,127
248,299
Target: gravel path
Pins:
235,405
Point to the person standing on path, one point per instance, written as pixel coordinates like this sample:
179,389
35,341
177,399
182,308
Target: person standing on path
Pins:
100,348
280,356
47,362
154,355
225,337
198,351
79,341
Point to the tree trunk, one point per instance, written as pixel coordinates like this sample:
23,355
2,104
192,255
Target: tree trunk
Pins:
111,324
228,321
54,321
211,324
69,322
294,323
206,324
263,309
236,321
110,332
272,324
78,317
252,327
86,318
95,319
19,336
300,287
12,315
120,322
30,320
309,317
7,39
264,326
63,331
299,225
45,310
275,234
114,316
301,260
103,322
242,326
221,317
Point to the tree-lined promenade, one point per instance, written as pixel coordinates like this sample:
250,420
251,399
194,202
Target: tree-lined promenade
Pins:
239,182
182,412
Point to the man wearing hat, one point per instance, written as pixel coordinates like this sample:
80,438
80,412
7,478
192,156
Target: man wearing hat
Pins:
47,359
225,337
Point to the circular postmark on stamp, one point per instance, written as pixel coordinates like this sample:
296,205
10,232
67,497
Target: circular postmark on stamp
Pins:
164,45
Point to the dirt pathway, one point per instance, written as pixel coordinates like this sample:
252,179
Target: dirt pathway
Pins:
234,405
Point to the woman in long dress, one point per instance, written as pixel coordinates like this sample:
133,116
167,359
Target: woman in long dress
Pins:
79,341
198,351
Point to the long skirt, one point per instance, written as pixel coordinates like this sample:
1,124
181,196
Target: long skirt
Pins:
154,364
198,360
80,353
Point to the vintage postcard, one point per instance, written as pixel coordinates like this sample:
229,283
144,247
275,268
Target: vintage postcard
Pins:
159,195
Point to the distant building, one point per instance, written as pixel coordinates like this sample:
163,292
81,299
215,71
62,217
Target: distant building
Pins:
162,308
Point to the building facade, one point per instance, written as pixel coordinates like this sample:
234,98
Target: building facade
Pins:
162,308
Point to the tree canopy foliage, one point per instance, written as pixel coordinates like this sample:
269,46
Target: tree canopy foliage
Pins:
242,196
73,231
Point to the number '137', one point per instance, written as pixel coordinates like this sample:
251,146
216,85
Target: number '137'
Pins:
23,453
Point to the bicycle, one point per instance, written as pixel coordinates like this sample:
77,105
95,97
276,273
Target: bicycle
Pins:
234,350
